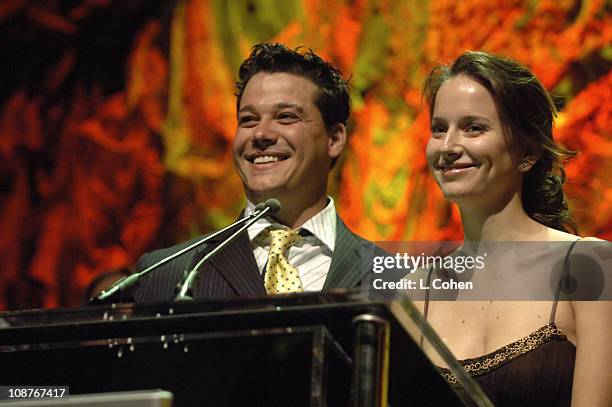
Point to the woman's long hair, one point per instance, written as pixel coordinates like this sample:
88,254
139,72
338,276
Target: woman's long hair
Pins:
527,113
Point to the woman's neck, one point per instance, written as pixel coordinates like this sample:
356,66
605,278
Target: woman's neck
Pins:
503,222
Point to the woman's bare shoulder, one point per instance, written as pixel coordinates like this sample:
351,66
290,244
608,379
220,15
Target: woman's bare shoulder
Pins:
558,235
592,239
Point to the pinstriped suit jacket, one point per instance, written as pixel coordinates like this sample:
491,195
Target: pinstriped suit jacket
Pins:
233,272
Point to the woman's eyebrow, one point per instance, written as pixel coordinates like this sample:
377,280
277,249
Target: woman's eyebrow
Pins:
473,118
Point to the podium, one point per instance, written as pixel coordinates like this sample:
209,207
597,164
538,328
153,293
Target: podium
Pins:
323,349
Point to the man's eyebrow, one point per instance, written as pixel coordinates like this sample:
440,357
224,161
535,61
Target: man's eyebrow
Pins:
289,105
278,106
247,108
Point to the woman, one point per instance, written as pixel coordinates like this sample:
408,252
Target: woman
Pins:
492,153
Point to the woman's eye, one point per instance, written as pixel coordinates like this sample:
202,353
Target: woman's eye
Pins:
474,128
437,130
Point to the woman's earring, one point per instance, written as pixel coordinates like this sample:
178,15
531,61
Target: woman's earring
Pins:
523,164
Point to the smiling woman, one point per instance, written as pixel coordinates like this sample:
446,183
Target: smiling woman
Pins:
467,151
492,153
501,98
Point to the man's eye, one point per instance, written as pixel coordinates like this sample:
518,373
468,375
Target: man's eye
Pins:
247,121
287,118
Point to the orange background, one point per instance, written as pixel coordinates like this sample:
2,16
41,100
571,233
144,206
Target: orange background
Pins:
117,118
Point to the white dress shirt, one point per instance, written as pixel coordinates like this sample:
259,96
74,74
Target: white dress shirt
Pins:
312,255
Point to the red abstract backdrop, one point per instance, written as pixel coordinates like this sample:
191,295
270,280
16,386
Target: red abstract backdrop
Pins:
117,117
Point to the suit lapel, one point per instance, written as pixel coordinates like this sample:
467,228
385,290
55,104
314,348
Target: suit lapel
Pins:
347,267
238,267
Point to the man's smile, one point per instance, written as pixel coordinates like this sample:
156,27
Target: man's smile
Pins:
264,157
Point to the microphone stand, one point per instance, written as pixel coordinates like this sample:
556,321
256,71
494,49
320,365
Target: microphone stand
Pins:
185,287
129,283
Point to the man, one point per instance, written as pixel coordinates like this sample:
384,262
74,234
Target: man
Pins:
292,112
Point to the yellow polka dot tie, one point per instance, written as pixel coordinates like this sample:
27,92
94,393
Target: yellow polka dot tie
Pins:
281,277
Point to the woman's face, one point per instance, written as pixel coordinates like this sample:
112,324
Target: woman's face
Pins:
467,152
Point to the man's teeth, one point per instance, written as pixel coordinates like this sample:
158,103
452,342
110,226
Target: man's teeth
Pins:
265,159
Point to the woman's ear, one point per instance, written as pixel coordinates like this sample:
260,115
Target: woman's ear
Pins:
528,161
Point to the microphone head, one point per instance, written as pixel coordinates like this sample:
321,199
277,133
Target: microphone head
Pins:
260,207
274,205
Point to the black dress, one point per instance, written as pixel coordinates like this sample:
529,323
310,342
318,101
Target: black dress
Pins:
536,370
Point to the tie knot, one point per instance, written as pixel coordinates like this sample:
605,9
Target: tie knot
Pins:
283,237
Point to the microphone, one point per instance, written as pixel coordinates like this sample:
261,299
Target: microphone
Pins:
272,203
127,284
185,287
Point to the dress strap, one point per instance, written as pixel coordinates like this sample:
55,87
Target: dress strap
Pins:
562,280
426,306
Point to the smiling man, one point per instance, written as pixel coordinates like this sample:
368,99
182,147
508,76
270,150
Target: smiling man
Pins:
283,148
292,110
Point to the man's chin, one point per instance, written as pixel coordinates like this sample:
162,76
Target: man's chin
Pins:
261,194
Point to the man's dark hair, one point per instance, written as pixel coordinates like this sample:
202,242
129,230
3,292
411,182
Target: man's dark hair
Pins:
333,101
527,114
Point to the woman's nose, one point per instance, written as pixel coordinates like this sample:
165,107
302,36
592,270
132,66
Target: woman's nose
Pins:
450,146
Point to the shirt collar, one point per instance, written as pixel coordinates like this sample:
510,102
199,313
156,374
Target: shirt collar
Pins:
322,225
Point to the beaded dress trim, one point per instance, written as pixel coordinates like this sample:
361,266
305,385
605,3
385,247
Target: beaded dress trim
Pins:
491,361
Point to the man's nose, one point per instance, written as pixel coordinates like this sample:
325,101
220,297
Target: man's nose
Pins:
264,134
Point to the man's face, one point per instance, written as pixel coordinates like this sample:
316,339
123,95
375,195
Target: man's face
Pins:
282,148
